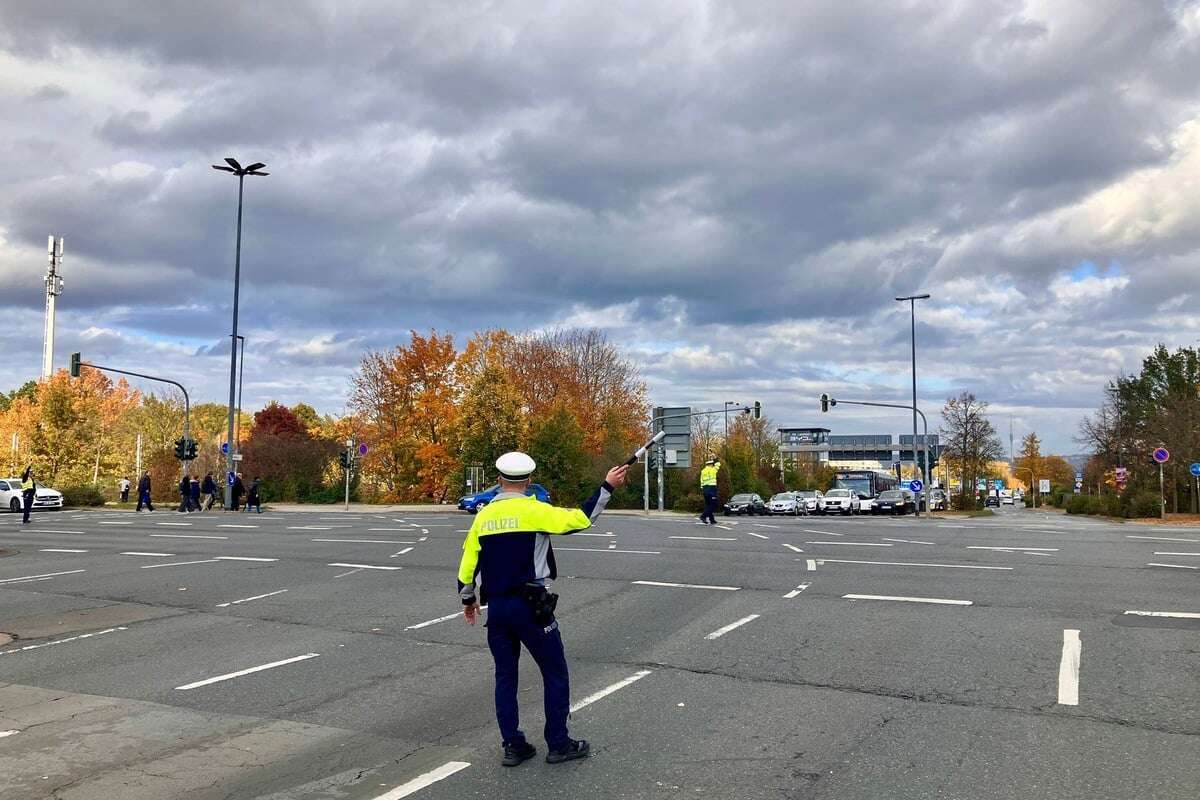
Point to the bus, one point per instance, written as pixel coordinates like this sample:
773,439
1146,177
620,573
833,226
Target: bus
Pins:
865,482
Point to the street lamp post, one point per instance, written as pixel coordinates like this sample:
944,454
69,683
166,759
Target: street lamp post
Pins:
912,306
241,374
728,403
241,172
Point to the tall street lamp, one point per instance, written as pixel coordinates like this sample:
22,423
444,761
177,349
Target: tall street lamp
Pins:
912,307
241,375
241,172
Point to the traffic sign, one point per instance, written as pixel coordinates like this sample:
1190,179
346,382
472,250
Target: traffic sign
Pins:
224,448
1162,455
229,478
916,486
1044,486
362,449
237,456
1195,469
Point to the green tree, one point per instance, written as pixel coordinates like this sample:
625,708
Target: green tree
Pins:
492,421
556,443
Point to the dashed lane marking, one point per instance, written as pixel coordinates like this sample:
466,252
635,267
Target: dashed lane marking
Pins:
707,538
757,535
606,691
314,527
900,564
1175,566
60,550
7,733
796,592
793,548
1161,553
1169,614
243,558
607,550
446,618
855,544
175,524
1164,539
402,552
361,566
905,541
237,526
248,599
609,533
241,672
152,555
181,563
62,641
1068,669
364,541
114,523
185,536
43,575
719,632
52,530
933,600
421,781
823,533
686,585
1012,549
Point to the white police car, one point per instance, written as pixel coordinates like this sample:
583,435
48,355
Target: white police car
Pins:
45,497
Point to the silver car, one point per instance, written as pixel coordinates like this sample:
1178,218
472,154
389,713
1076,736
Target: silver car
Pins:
811,502
784,503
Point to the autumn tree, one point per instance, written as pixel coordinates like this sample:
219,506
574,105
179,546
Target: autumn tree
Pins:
969,440
280,450
492,419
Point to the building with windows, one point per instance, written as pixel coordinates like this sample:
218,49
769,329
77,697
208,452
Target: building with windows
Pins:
820,446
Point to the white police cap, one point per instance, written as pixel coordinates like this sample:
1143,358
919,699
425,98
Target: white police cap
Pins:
515,466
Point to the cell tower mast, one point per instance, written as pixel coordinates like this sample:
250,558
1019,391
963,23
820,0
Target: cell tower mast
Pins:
54,287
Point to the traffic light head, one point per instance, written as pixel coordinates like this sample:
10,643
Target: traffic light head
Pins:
180,449
190,450
824,403
757,412
75,362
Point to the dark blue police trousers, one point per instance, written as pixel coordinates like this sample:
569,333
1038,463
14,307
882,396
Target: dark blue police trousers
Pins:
509,625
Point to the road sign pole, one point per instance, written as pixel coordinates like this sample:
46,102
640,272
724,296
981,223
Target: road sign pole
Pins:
349,456
1162,498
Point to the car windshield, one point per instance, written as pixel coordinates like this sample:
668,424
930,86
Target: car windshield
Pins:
892,495
782,498
838,493
742,498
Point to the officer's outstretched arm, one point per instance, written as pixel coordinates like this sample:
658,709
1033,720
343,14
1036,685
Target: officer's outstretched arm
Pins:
574,520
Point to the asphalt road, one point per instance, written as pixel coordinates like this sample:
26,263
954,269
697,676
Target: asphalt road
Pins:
307,655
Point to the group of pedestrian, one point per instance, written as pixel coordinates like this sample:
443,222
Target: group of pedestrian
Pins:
195,494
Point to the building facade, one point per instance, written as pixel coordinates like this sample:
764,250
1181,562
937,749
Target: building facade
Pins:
820,446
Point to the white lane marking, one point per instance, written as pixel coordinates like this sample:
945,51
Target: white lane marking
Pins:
339,517
359,566
365,541
237,526
793,548
719,632
154,555
243,558
856,544
906,541
60,550
446,618
1012,549
757,535
114,523
1176,566
607,550
402,552
52,530
390,530
765,525
610,533
62,641
812,565
181,563
248,599
313,527
606,691
1171,614
43,576
947,525
796,591
1068,669
7,733
349,572
935,600
1164,539
185,536
726,527
707,538
1160,553
906,564
687,586
421,781
1030,553
241,672
176,524
823,533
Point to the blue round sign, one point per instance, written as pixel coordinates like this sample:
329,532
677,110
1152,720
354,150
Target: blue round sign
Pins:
362,449
230,477
224,448
1162,455
916,486
1195,469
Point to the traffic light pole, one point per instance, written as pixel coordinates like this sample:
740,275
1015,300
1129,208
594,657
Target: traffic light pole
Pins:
924,448
187,403
656,422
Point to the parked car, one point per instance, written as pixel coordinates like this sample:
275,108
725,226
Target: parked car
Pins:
811,501
45,497
745,504
784,503
471,503
992,501
894,501
841,501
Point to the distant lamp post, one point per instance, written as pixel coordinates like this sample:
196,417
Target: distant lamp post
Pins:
236,169
912,307
728,403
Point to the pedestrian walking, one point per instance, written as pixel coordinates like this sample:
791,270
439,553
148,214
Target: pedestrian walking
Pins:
194,494
28,492
208,490
506,563
144,492
185,488
254,498
708,487
238,490
124,485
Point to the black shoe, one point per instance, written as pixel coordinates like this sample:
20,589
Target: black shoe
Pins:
574,749
515,754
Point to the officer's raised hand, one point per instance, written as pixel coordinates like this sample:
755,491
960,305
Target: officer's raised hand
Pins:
616,476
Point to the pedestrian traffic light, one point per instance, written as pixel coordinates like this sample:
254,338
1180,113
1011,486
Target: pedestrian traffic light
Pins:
181,449
757,413
344,458
190,450
74,365
826,402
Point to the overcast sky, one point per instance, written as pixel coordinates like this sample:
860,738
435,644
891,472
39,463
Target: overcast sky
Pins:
734,191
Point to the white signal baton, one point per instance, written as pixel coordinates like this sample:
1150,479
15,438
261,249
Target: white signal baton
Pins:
641,451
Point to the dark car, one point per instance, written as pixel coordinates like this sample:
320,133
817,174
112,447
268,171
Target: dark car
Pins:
746,504
893,501
474,502
992,501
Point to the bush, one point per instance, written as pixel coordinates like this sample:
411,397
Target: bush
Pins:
1141,504
692,501
87,494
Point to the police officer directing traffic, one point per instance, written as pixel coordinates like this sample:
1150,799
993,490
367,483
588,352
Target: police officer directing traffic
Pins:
708,486
507,560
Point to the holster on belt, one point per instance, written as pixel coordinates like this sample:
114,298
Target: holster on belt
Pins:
542,602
